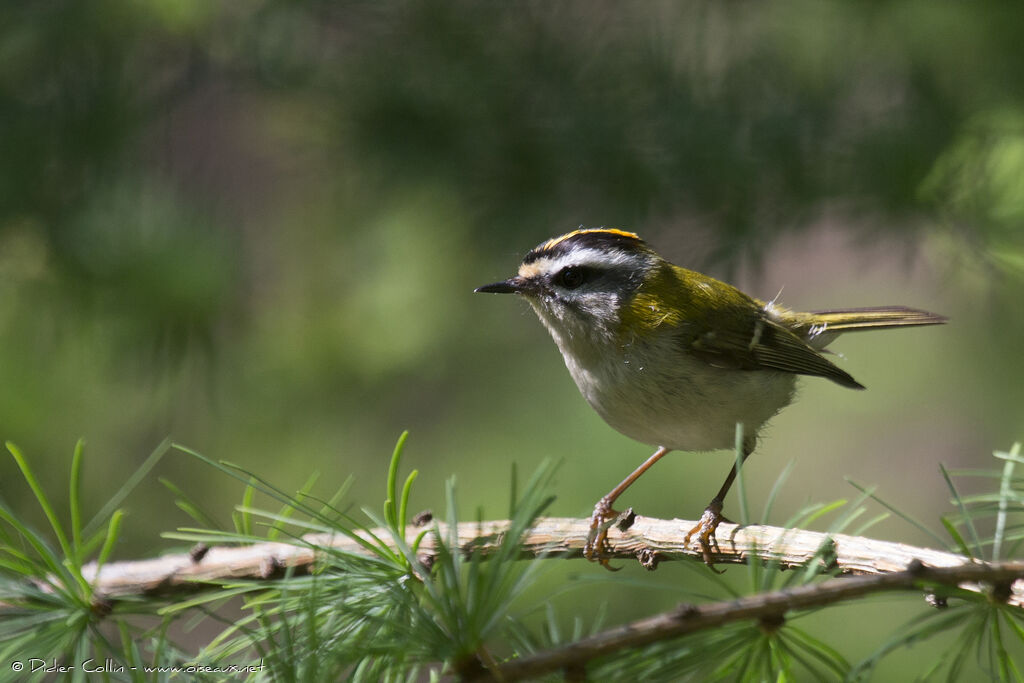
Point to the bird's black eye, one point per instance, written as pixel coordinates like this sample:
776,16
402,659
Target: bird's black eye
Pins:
572,277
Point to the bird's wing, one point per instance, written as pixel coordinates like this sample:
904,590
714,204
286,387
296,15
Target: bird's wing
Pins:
755,342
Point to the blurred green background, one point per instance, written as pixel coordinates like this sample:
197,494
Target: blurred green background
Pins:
255,228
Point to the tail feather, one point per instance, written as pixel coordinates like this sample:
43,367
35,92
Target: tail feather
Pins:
874,318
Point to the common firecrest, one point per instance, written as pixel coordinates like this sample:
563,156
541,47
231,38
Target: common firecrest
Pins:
673,358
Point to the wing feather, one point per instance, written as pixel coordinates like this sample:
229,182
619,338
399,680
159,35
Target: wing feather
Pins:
759,344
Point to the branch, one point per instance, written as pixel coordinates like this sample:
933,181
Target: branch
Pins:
648,540
769,608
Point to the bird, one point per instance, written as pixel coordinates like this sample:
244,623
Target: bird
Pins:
674,358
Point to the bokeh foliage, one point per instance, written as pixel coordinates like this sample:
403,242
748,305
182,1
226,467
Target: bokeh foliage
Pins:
255,226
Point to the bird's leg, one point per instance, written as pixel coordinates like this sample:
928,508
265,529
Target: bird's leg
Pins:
712,516
604,514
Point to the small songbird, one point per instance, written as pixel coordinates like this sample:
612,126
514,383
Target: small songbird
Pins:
673,358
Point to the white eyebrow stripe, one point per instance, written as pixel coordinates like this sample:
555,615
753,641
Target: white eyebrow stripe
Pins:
579,257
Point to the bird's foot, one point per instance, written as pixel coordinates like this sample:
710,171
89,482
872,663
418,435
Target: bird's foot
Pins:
603,518
705,531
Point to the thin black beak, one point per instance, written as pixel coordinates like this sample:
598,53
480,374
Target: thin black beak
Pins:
509,286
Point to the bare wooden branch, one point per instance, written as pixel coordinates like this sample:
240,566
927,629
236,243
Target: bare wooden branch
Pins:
770,608
647,540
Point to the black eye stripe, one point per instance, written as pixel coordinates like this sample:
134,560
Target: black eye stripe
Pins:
572,277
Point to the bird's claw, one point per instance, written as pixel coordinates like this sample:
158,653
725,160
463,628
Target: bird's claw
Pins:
597,547
705,532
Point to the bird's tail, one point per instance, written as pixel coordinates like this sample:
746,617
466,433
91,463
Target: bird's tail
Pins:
875,318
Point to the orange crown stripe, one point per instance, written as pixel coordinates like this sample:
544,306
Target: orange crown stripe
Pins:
584,231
